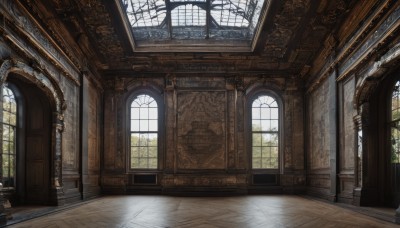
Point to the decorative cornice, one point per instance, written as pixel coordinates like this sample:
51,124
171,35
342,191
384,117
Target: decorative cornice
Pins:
371,79
17,22
378,39
358,47
48,85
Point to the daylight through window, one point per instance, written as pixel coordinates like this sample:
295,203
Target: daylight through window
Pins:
144,133
193,19
265,133
395,124
9,136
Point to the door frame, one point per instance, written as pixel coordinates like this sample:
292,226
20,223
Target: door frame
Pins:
51,88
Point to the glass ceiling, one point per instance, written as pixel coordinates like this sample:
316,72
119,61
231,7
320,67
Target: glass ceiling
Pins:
160,20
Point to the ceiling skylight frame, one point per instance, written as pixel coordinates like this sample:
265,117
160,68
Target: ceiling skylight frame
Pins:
212,34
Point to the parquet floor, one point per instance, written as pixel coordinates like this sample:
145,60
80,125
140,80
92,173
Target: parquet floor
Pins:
209,212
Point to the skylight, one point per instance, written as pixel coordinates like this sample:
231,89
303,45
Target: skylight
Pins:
155,21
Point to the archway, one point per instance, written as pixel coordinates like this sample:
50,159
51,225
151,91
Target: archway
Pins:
32,146
50,100
377,179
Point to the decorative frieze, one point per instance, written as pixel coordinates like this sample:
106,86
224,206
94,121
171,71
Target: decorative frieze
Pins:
377,38
24,35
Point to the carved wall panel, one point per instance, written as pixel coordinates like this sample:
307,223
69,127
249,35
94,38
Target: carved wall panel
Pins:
94,130
288,120
205,181
110,130
240,144
201,82
170,123
348,133
293,124
70,147
319,128
38,40
297,148
201,130
231,145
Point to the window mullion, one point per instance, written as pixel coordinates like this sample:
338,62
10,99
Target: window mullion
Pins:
144,141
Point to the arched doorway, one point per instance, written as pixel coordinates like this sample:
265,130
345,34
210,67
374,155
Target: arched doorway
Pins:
39,93
32,146
380,125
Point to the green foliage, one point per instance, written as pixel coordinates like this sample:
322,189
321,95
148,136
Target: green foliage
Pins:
265,150
144,151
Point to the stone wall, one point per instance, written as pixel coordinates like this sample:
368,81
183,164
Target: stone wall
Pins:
34,56
345,149
205,144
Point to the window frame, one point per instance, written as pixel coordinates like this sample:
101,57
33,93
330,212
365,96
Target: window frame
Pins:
251,97
14,140
392,121
160,130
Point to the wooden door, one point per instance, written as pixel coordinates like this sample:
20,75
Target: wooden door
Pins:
37,154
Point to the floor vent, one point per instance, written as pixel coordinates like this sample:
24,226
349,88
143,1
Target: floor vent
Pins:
144,179
265,179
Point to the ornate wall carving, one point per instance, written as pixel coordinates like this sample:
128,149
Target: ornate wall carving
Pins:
111,157
319,127
39,45
348,133
71,133
201,130
94,130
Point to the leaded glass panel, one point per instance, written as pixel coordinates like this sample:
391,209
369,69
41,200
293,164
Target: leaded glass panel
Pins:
265,133
9,136
144,133
193,19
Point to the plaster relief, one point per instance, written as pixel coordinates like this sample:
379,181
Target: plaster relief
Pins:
93,130
348,125
319,156
201,130
70,135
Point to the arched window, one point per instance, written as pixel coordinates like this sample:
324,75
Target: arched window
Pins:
143,132
395,124
9,123
265,133
395,136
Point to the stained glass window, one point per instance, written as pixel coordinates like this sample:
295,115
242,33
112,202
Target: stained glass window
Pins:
265,133
144,133
9,137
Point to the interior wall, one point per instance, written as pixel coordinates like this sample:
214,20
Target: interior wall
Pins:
321,152
348,134
26,49
342,147
91,120
212,111
70,147
320,148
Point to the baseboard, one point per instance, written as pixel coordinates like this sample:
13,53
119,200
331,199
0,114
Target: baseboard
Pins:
204,191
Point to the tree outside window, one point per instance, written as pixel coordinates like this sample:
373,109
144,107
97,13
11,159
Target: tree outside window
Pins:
144,133
265,133
9,124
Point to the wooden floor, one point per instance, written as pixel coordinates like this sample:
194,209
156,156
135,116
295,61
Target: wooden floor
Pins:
232,212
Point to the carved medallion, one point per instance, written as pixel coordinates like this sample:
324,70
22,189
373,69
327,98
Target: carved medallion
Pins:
201,130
